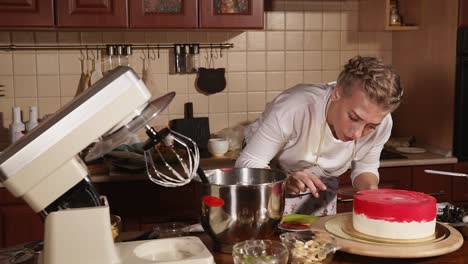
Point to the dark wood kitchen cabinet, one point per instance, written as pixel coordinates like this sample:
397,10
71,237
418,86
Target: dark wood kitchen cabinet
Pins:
439,186
27,13
196,14
463,13
91,13
460,185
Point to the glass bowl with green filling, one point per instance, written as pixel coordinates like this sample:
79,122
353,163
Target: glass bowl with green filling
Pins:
312,247
260,252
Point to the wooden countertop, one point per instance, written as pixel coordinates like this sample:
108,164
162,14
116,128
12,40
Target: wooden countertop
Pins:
427,158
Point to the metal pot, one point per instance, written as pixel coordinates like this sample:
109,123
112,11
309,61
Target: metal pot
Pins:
240,204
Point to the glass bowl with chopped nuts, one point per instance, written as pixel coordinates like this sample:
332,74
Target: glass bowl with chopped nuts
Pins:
311,247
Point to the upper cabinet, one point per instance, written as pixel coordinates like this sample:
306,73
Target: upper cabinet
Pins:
27,13
135,14
92,13
163,14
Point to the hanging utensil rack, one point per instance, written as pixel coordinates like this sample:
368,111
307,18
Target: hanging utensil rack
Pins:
103,46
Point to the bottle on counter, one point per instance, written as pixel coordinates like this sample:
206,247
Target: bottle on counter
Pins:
32,122
17,127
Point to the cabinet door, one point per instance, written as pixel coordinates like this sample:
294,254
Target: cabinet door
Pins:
439,186
231,14
20,225
26,13
163,13
460,185
463,13
92,13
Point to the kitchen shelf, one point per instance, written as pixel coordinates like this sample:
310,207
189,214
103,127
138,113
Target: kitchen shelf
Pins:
374,15
402,28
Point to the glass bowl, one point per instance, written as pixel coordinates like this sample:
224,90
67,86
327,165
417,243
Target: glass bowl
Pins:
171,229
116,225
260,252
310,247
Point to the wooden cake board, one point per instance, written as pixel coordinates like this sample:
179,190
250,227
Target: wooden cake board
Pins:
446,240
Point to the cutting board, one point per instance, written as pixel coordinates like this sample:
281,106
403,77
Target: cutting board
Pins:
196,128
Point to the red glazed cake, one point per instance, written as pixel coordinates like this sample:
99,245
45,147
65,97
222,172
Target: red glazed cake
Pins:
394,214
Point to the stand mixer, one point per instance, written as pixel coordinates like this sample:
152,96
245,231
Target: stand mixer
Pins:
43,168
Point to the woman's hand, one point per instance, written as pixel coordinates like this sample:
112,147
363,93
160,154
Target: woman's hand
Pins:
302,180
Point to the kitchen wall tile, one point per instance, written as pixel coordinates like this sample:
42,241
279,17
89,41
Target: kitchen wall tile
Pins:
237,102
275,40
161,64
239,40
275,20
69,85
313,6
256,61
350,5
255,101
256,81
237,82
155,37
331,40
313,40
6,63
8,89
275,81
157,84
25,86
69,62
47,62
69,37
331,60
177,83
275,61
349,40
91,37
331,20
366,41
65,100
329,76
277,5
47,105
312,76
252,116
383,40
175,116
200,103
237,61
218,122
48,86
370,53
174,37
292,78
217,36
349,20
136,61
134,37
24,62
197,37
5,38
176,107
46,37
270,96
112,37
294,5
313,20
161,121
294,61
385,56
22,38
312,60
294,40
331,5
256,40
218,103
237,119
294,20
220,59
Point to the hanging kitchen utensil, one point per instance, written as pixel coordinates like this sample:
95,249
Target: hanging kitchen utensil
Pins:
96,75
83,82
198,129
211,80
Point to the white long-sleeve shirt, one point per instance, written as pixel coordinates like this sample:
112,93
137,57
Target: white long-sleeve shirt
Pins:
290,130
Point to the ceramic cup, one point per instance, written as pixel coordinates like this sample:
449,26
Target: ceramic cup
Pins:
218,146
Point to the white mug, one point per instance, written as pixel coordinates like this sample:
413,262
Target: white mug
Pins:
218,146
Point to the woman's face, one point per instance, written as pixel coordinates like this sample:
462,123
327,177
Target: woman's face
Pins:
353,116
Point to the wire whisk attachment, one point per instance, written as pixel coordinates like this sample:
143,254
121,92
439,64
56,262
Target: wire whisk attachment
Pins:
184,170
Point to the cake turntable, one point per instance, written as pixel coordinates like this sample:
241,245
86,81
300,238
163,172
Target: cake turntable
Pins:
445,240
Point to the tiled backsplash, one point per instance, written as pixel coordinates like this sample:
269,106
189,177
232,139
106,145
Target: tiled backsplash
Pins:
303,42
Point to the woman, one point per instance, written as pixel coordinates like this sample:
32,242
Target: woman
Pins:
316,132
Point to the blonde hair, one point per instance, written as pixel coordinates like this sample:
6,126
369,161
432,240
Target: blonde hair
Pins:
379,81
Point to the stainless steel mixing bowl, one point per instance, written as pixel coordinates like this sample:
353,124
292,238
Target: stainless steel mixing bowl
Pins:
240,204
